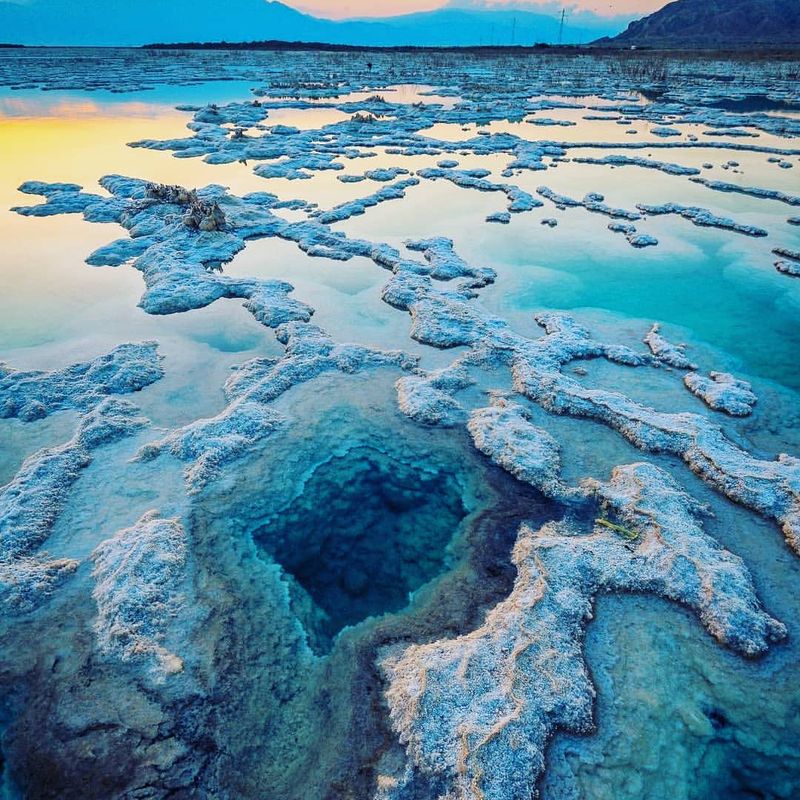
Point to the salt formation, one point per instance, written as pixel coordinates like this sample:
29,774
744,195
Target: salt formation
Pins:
723,392
673,355
443,320
637,161
635,239
30,504
503,433
138,573
789,263
702,217
477,712
35,394
518,199
788,268
591,202
392,191
176,258
208,445
752,191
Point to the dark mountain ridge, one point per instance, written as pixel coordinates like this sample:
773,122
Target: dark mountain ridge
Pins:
712,24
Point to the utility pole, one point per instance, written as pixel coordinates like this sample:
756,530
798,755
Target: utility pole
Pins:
561,26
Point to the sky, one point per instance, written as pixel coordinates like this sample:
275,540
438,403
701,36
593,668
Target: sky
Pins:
135,22
341,9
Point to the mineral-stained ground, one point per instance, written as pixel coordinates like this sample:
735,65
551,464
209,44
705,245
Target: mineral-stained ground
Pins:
430,430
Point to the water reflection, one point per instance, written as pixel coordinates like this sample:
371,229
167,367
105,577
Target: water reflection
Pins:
48,295
54,310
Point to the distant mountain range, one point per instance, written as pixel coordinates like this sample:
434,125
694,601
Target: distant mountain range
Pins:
715,23
125,22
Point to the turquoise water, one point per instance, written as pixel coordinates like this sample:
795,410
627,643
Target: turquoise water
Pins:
723,291
367,531
724,302
353,528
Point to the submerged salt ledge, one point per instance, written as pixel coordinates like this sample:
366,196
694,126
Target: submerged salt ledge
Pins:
138,574
429,398
477,712
31,503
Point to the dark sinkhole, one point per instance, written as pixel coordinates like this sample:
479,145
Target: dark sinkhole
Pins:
367,529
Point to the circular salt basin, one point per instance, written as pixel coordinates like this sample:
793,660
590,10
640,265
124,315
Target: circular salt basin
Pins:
370,527
359,506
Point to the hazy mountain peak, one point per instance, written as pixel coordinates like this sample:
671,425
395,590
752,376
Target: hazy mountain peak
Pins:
120,22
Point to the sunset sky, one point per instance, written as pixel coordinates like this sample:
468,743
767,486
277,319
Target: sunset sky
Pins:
339,9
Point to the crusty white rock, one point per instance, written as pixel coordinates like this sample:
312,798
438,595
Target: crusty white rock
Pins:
722,392
139,575
476,712
672,355
34,394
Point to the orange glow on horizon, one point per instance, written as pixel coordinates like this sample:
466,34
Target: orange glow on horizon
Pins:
342,9
72,109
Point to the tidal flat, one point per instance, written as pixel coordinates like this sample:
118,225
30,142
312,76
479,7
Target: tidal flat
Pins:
403,426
